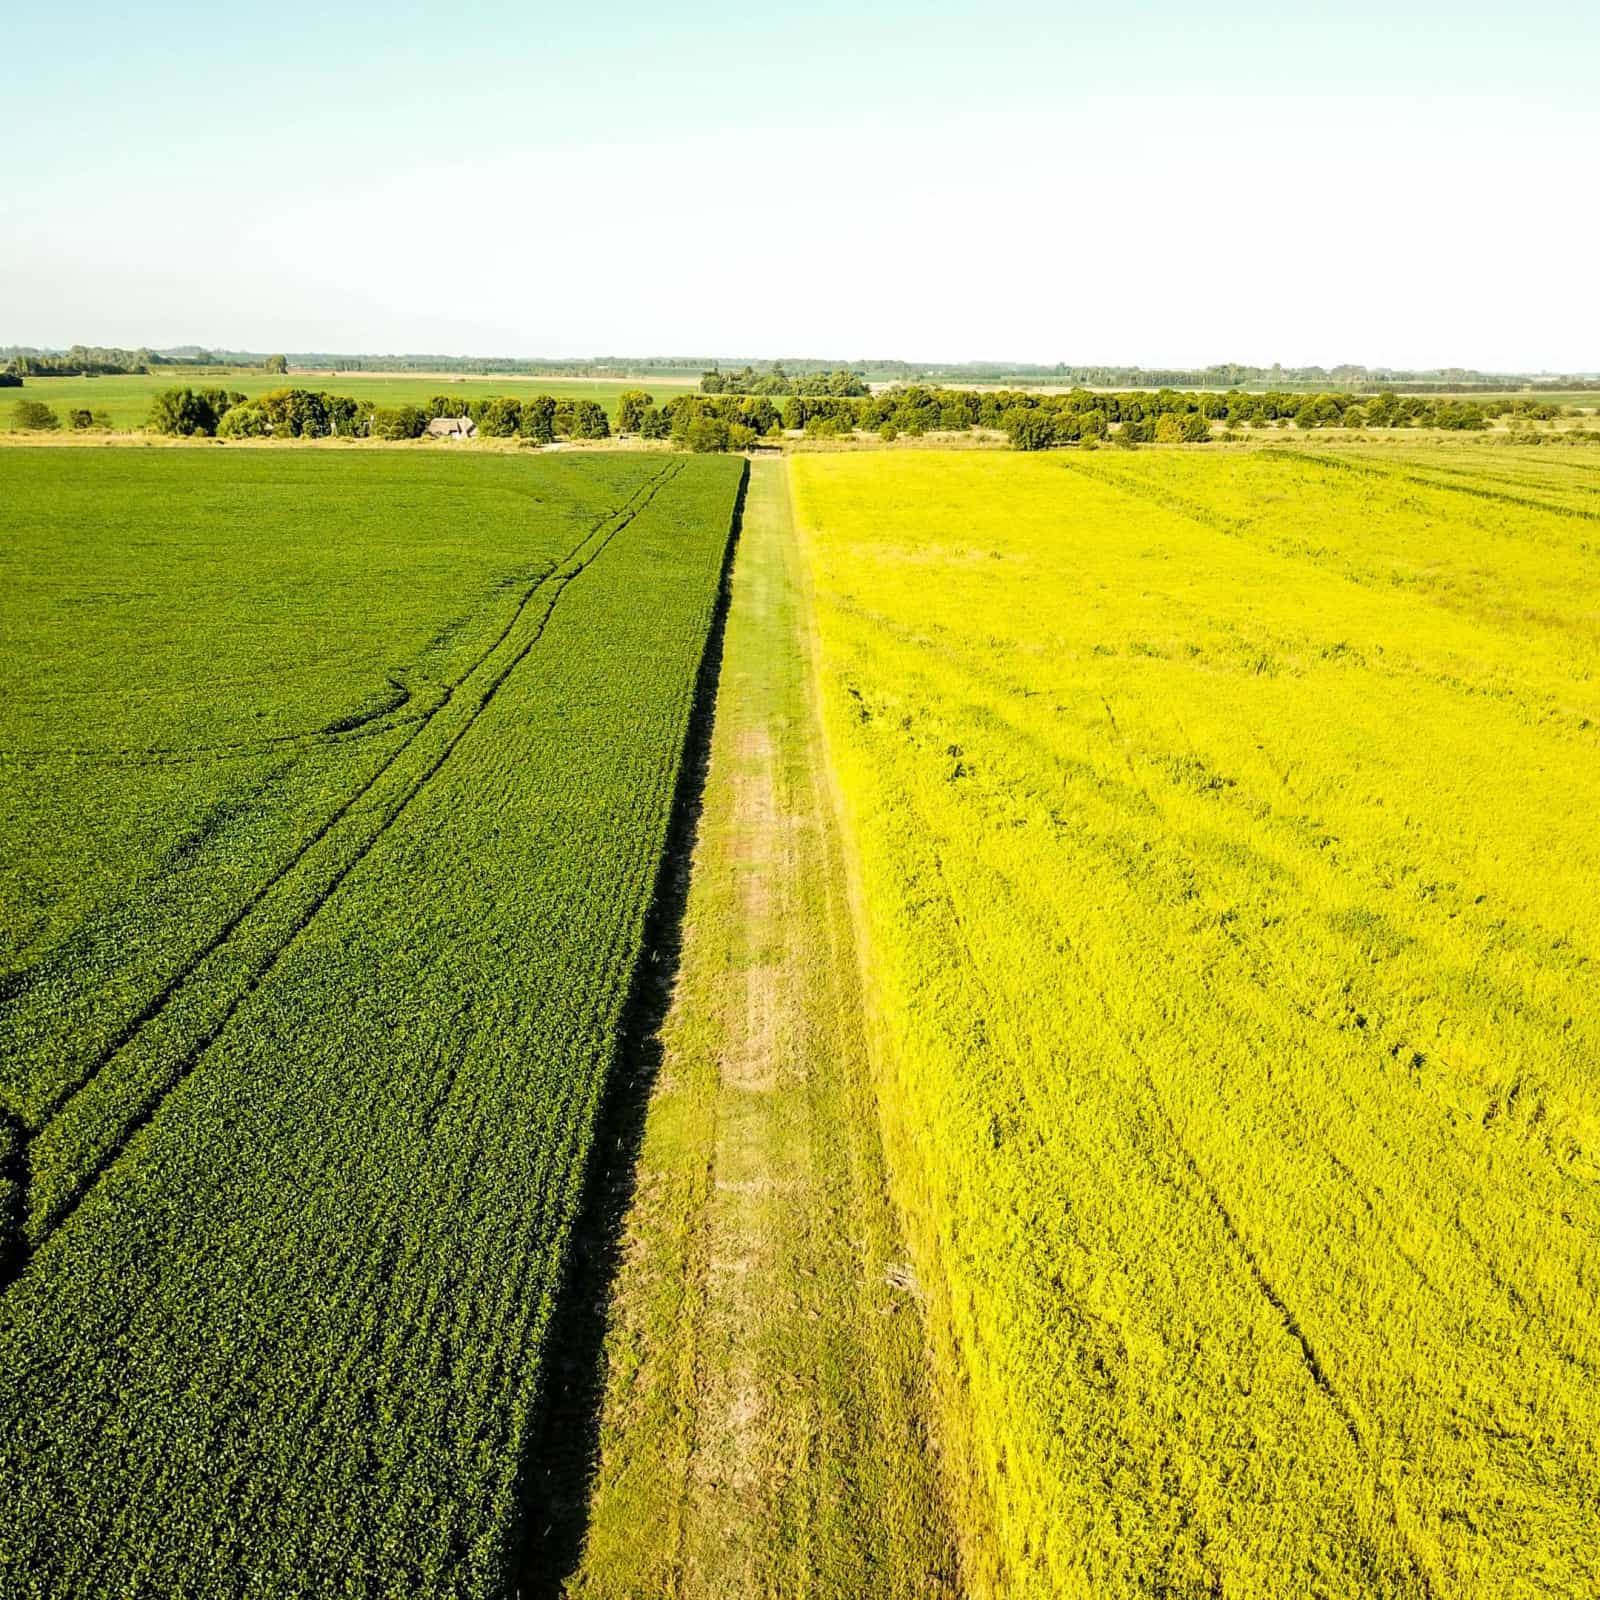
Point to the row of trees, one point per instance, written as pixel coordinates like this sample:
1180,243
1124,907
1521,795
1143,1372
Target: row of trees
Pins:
735,421
311,414
775,381
81,361
1034,421
33,416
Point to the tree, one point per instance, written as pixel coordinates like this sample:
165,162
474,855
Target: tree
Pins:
33,416
1029,428
631,407
537,420
191,411
398,422
706,434
499,418
1194,428
654,424
278,364
589,420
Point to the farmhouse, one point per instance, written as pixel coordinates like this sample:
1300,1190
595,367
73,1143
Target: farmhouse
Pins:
452,428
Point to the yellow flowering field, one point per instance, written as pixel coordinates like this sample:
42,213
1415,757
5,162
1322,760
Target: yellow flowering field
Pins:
1227,842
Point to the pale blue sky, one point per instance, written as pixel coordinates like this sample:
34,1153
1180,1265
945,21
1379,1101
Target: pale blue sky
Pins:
1151,182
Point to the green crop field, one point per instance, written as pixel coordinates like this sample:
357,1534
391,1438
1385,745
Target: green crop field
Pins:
126,400
335,794
1225,829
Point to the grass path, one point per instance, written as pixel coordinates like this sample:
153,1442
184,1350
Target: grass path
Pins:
762,1430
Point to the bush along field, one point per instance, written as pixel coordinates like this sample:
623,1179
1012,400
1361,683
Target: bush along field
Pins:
1225,833
338,788
735,414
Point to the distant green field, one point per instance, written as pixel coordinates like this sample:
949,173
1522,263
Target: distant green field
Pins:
127,399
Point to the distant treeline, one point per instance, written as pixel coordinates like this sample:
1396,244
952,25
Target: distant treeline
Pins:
777,380
1228,375
1030,420
81,361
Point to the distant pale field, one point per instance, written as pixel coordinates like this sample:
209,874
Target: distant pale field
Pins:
1224,823
127,399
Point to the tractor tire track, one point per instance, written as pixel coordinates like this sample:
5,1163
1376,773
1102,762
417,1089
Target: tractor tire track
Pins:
159,1001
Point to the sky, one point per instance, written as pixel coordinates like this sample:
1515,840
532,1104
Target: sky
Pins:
1409,185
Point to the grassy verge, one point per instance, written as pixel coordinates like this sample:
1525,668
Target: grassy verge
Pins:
762,1429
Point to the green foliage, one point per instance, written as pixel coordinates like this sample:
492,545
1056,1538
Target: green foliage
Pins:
589,420
632,404
1029,429
275,364
537,419
747,381
397,422
706,433
191,411
33,416
80,419
293,414
316,950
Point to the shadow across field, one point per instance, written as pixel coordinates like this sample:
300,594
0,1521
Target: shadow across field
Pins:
559,1471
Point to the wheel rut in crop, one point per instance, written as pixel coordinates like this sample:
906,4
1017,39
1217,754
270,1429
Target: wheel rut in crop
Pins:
38,1229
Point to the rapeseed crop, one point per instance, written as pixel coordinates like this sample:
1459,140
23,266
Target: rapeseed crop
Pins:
340,789
1225,833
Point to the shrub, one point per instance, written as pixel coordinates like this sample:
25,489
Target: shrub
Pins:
888,433
1029,429
632,404
79,419
1169,428
398,422
190,411
499,418
706,434
589,421
33,416
244,422
537,419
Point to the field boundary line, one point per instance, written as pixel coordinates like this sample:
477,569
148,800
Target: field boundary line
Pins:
556,1478
959,1478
